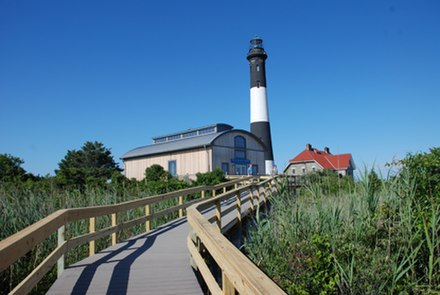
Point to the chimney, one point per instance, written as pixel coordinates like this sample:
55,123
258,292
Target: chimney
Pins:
327,150
308,147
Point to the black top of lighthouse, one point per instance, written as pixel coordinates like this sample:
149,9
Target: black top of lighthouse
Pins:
256,49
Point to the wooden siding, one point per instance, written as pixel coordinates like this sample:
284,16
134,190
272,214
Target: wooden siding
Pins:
202,160
188,163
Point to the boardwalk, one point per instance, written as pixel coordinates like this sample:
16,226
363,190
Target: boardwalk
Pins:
153,263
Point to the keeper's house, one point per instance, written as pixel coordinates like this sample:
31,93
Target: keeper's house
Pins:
186,153
314,160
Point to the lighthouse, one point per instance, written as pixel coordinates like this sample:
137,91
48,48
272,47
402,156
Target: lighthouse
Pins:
260,125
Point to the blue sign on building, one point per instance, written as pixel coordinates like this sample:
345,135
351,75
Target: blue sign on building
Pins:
240,161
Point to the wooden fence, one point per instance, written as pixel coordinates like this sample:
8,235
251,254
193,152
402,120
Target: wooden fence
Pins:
238,273
17,245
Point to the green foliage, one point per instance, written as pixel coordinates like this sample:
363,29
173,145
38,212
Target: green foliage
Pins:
210,178
93,165
326,182
159,181
425,169
10,168
157,173
369,239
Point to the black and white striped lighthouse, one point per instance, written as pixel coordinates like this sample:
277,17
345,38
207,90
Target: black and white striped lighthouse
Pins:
259,111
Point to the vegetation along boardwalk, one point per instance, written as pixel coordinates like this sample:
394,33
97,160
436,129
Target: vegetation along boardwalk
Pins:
157,262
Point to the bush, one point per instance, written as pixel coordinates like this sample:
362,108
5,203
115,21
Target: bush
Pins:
210,178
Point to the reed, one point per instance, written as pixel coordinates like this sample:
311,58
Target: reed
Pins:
364,239
21,206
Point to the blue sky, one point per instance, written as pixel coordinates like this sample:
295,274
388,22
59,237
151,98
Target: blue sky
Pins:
361,77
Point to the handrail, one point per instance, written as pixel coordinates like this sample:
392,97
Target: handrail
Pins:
20,243
238,272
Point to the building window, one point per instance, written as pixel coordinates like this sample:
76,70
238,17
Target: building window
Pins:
190,134
240,147
174,137
313,169
207,130
293,171
304,170
172,167
240,142
240,154
240,170
225,168
258,84
258,68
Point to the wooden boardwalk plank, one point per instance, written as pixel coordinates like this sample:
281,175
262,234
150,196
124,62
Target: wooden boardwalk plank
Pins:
154,263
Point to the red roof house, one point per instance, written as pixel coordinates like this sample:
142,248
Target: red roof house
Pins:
314,160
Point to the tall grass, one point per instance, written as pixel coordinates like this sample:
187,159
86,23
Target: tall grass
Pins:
366,239
21,206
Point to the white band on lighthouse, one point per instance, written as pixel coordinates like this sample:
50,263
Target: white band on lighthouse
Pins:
269,167
259,111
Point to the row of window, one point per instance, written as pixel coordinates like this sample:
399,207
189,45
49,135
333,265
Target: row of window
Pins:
185,135
303,170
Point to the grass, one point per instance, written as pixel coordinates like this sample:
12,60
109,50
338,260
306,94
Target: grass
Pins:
21,207
364,239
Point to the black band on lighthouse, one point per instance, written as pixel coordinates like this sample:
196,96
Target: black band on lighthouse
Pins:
262,131
258,72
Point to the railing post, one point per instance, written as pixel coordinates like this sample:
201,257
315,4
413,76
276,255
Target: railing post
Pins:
224,189
213,192
264,195
203,194
92,229
148,222
181,209
227,286
61,240
251,195
218,214
114,223
258,195
238,206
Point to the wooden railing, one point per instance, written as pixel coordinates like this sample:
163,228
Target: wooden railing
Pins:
206,242
17,245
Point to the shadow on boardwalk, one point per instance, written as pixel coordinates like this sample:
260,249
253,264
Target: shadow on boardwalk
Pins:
119,259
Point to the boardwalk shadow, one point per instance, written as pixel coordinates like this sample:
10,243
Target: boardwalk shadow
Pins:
120,274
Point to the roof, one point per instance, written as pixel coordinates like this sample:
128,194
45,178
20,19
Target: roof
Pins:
188,143
175,145
325,159
218,127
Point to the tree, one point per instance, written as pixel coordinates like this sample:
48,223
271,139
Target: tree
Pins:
156,173
425,169
159,181
92,164
10,168
210,178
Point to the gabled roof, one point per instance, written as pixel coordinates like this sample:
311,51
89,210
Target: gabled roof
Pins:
324,158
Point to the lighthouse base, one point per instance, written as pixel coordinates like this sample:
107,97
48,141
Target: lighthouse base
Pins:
269,167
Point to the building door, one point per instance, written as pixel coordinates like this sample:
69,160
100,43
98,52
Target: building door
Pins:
172,168
225,168
240,169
